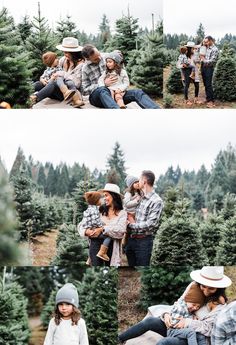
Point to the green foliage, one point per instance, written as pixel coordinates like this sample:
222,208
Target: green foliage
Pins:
226,254
48,309
65,28
116,162
224,79
174,83
163,284
168,101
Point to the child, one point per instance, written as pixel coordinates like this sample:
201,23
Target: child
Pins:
67,327
91,220
183,61
132,198
114,68
202,51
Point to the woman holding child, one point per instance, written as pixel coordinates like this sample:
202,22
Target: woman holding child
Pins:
113,219
211,281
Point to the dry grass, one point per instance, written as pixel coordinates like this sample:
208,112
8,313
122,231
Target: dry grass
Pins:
44,248
37,331
178,99
231,291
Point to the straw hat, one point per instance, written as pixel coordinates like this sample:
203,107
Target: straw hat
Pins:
111,187
69,44
212,276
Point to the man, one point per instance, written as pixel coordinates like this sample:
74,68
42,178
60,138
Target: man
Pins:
207,69
224,330
141,230
100,96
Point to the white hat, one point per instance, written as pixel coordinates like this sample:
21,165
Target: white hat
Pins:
111,187
212,276
69,44
190,44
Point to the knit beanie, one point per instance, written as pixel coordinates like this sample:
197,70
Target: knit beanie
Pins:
92,198
68,294
115,56
195,295
48,58
129,180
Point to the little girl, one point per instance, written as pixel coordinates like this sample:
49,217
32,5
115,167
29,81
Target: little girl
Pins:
114,67
132,198
67,327
184,62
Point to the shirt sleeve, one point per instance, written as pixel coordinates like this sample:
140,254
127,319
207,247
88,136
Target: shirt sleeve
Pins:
117,230
50,333
125,80
83,336
152,218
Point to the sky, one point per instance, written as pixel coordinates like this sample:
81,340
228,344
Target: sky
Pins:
217,17
149,139
87,14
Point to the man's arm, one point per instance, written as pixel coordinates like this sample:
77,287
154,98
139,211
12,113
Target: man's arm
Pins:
152,218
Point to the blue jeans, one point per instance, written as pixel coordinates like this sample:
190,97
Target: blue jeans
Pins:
139,251
151,323
106,240
192,337
51,90
207,75
101,98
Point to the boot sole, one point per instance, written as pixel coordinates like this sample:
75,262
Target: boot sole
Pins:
69,97
102,258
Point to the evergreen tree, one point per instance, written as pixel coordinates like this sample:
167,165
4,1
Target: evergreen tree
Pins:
8,249
41,180
14,67
65,28
24,28
226,254
229,206
174,83
116,162
50,188
105,33
148,73
48,309
200,34
224,79
19,163
63,181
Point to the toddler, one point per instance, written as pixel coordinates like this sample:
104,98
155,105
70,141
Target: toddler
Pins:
183,61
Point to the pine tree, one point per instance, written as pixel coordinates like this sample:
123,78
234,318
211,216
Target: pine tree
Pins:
63,181
229,206
41,180
50,188
48,309
24,28
174,83
148,73
8,248
116,162
65,28
200,34
226,254
14,67
105,33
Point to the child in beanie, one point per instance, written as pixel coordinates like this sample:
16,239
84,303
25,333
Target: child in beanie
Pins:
92,220
114,62
67,327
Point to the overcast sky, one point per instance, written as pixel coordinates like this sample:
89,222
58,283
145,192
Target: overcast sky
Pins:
150,139
87,14
217,16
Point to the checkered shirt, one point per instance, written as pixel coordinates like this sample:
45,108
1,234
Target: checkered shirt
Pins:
147,214
178,310
49,71
183,59
224,330
212,54
91,218
91,72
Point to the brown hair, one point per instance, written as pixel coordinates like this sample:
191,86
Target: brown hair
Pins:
150,177
183,50
48,58
117,68
88,50
75,316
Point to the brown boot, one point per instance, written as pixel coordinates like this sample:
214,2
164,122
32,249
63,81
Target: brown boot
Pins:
102,254
77,100
67,94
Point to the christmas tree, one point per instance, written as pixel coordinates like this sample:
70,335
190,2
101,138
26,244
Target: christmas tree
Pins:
226,254
174,83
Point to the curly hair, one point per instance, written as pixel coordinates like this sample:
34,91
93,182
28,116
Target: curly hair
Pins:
75,316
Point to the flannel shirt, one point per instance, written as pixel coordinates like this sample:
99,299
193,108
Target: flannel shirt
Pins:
91,72
178,310
147,215
183,59
212,54
224,330
49,71
91,218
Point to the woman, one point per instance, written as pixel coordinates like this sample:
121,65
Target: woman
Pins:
212,282
186,72
114,218
72,64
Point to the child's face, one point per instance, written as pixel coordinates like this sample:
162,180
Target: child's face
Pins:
65,309
136,185
192,307
55,63
110,63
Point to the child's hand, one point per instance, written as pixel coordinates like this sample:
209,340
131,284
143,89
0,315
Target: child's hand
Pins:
44,81
118,91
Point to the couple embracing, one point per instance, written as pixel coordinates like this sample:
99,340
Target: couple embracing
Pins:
108,220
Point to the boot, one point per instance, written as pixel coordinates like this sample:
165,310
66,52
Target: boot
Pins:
102,254
66,92
89,262
77,101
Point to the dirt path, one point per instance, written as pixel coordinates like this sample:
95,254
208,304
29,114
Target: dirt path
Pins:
128,296
37,331
44,248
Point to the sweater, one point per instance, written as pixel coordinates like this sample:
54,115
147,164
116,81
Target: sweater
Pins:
66,334
122,83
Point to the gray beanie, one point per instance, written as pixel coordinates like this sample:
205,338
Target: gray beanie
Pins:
68,294
115,56
130,180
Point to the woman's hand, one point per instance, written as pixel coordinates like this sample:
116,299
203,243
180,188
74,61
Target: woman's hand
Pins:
181,323
167,320
89,232
96,232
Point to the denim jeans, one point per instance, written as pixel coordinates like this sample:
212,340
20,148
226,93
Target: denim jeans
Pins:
151,323
207,75
192,337
69,83
101,97
95,244
106,240
139,250
51,90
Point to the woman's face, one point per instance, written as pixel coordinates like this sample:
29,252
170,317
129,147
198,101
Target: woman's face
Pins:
207,290
108,199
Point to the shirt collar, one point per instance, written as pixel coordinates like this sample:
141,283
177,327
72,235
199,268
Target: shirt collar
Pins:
149,195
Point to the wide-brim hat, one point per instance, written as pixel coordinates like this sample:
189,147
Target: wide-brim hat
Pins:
69,44
111,187
190,44
212,276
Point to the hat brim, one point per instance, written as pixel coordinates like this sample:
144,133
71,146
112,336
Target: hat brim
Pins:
67,49
109,191
222,283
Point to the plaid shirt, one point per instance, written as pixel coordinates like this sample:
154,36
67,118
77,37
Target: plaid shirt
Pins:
91,218
178,310
147,215
91,72
49,71
224,330
212,54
